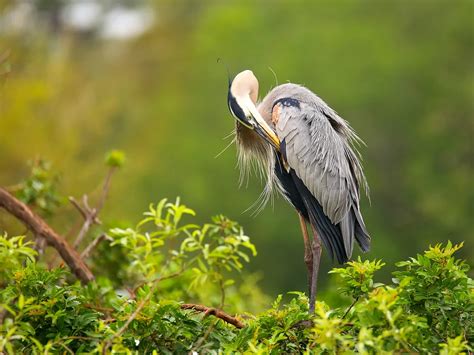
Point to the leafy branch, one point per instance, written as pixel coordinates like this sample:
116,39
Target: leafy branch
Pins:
169,271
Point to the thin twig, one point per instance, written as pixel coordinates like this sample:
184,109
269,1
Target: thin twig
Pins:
87,251
137,310
90,217
350,307
85,228
105,189
89,214
215,312
159,279
78,207
40,228
130,319
203,338
66,347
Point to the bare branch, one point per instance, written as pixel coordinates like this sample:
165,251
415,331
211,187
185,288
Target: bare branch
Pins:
82,233
90,217
215,312
89,214
40,228
85,254
105,189
78,207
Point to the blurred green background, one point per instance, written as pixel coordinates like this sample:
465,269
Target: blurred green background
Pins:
142,76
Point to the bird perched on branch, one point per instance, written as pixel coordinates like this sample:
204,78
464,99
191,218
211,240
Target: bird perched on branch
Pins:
305,151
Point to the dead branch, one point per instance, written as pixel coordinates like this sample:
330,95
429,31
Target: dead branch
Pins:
40,228
87,251
78,207
215,312
105,189
90,217
89,214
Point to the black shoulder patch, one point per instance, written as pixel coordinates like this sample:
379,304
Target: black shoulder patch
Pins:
287,102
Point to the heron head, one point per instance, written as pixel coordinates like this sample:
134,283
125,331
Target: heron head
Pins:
241,99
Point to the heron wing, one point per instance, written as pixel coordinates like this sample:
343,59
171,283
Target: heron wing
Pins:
315,144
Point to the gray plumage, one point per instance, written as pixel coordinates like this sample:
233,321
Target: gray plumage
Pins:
316,145
318,148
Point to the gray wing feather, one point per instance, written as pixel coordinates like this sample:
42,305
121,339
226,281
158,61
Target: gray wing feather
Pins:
317,153
323,159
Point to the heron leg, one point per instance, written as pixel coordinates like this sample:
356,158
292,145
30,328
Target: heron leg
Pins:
308,252
316,252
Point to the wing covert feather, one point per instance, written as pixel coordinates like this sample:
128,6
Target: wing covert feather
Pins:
317,153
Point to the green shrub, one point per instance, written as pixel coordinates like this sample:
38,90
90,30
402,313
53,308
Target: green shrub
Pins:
166,262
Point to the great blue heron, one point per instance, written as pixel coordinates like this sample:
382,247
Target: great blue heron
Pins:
304,149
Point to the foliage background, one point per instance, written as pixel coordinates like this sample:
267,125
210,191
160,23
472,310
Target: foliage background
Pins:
400,71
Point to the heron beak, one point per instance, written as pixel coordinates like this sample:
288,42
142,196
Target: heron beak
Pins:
262,127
